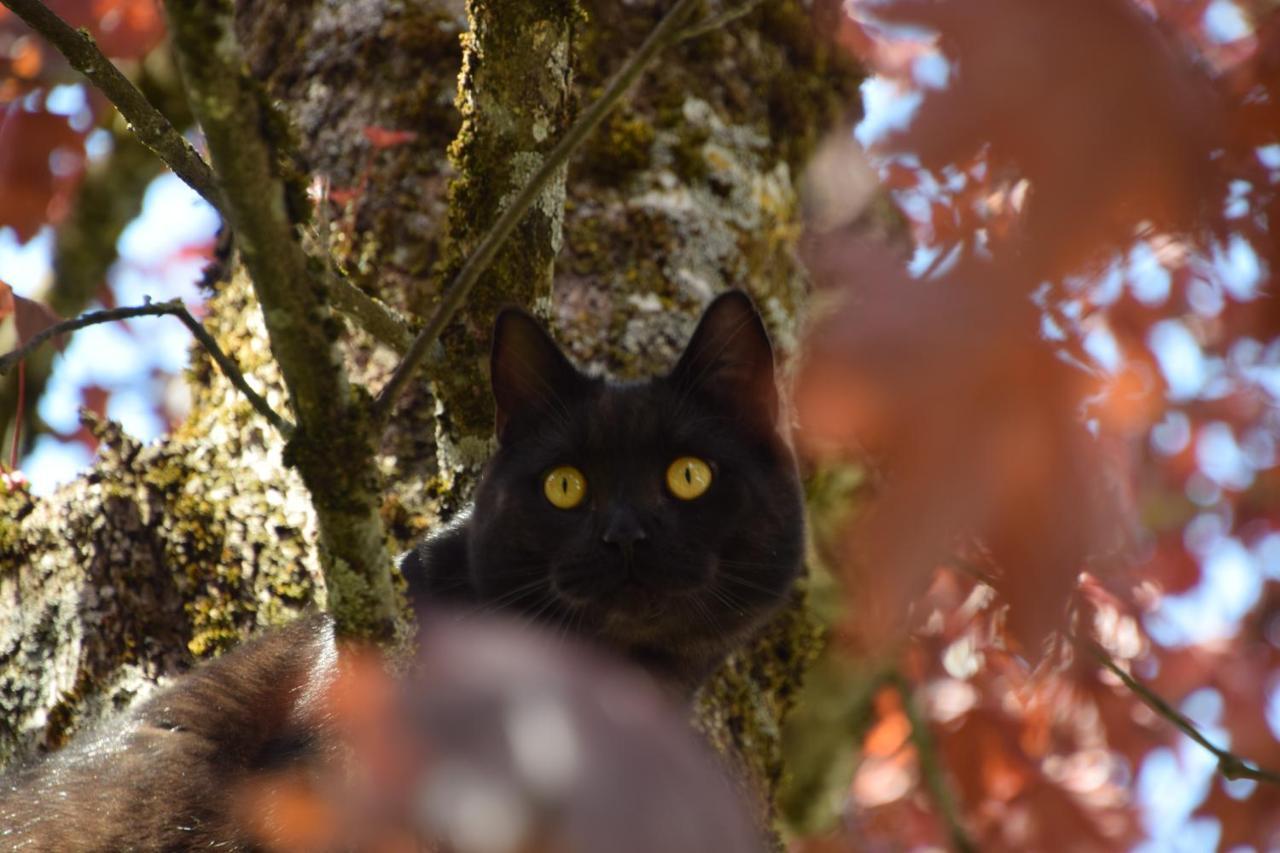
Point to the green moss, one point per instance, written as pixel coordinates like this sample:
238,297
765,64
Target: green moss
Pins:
741,708
16,503
514,101
212,641
619,149
283,140
687,154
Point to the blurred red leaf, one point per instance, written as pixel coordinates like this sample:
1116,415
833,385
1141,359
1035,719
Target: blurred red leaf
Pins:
94,398
385,137
975,421
41,160
342,196
1107,119
1249,819
34,317
29,317
123,29
6,301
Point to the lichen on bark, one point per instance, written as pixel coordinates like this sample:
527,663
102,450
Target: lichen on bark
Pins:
158,556
332,444
514,100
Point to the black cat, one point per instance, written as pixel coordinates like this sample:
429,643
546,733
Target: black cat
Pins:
660,519
497,739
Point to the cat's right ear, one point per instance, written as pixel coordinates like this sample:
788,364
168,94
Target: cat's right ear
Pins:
531,376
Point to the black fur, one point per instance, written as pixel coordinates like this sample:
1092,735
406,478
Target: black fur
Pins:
682,583
686,581
166,777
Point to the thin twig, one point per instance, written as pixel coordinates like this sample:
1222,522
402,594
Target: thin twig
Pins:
715,22
1230,765
151,309
665,33
232,371
175,308
931,767
150,126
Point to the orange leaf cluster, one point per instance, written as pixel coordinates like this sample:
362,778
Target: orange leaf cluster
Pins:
1086,180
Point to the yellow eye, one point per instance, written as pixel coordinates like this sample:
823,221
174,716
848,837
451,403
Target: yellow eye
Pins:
688,477
565,487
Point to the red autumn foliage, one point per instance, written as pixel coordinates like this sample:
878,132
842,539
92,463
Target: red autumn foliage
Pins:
1069,393
123,29
30,318
385,137
42,154
34,190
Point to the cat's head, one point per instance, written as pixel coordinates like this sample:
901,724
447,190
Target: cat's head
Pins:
661,517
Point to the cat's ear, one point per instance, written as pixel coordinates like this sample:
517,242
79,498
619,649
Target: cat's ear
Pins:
530,375
730,359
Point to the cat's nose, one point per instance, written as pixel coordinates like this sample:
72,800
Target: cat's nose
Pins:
623,529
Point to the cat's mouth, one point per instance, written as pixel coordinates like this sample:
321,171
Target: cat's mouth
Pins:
629,610
628,598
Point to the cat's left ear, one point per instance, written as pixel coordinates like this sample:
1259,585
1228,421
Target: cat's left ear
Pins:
730,359
530,375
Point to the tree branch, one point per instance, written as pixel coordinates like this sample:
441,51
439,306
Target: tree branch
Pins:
376,318
173,308
1230,765
152,128
332,447
664,34
155,131
931,767
232,371
715,22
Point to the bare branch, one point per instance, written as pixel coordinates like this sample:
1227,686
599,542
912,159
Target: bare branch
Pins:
232,371
152,128
931,767
175,308
665,33
1230,765
715,22
376,318
332,447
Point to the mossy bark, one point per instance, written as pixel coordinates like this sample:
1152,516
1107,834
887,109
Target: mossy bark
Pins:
513,96
332,443
166,553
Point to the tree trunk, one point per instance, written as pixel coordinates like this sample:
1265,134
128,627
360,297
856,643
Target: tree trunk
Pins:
164,554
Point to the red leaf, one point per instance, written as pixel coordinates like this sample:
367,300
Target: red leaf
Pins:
975,422
1123,138
33,318
6,301
342,196
384,137
31,193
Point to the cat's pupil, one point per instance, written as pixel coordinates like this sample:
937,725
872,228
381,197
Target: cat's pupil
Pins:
688,473
564,485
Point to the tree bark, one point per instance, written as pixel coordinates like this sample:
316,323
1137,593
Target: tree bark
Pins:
164,554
